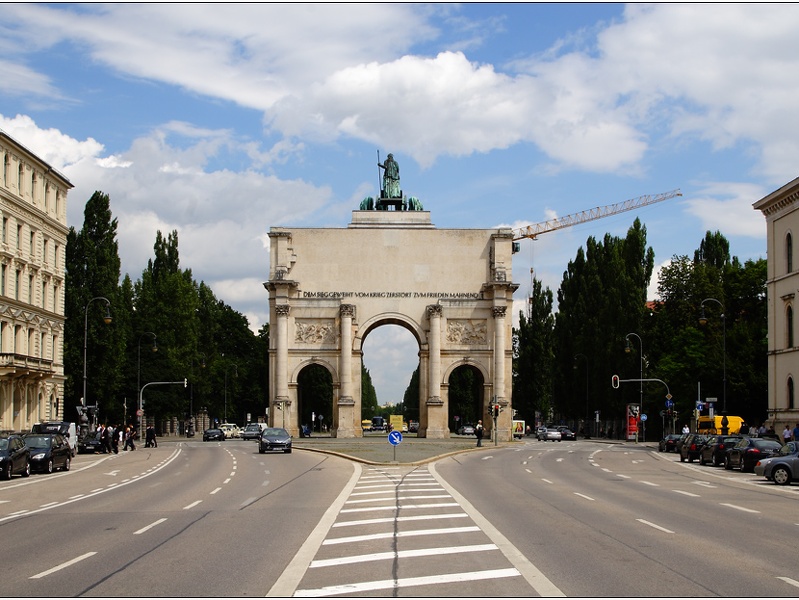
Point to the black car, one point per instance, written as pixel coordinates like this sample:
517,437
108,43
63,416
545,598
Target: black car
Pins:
48,452
213,435
669,443
14,456
691,445
275,438
715,449
566,433
91,443
746,453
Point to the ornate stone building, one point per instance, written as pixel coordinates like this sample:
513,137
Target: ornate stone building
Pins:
781,209
451,288
33,204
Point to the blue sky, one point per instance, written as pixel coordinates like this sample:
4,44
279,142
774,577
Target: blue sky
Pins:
222,121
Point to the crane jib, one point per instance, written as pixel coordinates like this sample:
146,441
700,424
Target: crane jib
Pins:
532,231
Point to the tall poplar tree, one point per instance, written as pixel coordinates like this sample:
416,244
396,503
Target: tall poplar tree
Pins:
92,272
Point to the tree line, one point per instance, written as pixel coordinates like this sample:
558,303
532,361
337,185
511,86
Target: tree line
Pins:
165,327
565,356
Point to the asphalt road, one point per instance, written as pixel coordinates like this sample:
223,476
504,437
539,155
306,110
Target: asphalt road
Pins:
523,519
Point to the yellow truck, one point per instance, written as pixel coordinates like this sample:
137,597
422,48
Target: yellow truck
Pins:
712,425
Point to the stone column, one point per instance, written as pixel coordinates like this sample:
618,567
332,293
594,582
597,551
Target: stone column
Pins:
499,353
282,355
347,415
436,411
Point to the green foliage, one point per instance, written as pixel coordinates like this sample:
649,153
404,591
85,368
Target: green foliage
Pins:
369,405
315,390
465,395
198,337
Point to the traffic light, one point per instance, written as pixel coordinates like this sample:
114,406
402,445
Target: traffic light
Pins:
614,381
495,413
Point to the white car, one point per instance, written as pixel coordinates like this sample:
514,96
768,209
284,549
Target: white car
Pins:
231,430
549,433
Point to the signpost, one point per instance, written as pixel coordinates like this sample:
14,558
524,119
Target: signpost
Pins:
395,438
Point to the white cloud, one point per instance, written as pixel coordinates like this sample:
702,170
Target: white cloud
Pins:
727,207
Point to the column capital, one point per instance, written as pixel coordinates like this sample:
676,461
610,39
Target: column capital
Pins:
499,311
347,310
282,310
434,310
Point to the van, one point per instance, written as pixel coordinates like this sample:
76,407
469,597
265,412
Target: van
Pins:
65,428
712,425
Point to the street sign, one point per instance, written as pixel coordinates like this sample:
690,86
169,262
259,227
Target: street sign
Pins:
643,417
394,438
139,412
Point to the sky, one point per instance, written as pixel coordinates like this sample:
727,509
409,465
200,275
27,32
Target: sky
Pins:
221,121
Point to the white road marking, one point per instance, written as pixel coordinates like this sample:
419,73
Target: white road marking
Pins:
148,527
388,584
399,534
348,560
655,526
584,496
215,491
192,505
684,493
741,508
623,476
63,565
400,519
546,480
650,483
789,581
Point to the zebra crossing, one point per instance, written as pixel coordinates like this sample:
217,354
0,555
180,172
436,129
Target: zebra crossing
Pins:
400,532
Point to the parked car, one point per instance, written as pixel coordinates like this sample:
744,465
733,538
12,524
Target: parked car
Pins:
669,443
549,433
91,443
275,438
566,433
782,468
65,428
14,456
466,429
231,430
745,454
691,445
213,435
715,449
48,452
252,431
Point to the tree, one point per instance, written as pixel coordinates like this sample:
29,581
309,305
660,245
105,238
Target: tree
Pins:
92,272
369,404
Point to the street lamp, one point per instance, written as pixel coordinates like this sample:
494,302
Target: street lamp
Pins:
106,320
138,370
190,430
576,356
703,321
236,369
628,349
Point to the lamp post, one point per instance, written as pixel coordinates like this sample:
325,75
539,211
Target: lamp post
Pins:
190,429
703,321
576,356
236,369
138,371
628,348
107,321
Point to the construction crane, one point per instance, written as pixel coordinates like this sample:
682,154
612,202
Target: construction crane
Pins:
533,231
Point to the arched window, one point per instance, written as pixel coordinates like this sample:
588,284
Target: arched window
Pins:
789,252
789,326
790,393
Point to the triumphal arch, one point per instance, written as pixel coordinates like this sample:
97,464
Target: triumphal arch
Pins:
329,287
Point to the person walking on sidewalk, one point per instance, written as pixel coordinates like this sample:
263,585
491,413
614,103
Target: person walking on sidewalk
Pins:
478,431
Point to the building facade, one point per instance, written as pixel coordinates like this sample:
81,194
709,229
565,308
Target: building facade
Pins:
33,237
451,288
781,209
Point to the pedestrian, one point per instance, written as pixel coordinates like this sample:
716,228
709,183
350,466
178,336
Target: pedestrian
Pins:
129,432
478,431
761,432
786,435
796,433
686,429
115,439
150,441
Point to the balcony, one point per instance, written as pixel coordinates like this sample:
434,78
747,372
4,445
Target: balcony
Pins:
20,365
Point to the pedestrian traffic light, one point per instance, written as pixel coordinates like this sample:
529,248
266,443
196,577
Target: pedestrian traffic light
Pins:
614,381
496,410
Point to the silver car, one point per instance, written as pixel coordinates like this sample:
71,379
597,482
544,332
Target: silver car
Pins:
548,433
783,467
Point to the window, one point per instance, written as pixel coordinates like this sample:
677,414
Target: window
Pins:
33,244
16,284
789,253
19,179
19,237
5,230
789,326
790,393
44,295
30,289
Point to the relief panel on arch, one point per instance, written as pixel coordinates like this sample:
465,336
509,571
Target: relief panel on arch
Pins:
467,332
315,331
